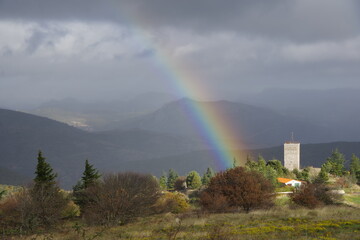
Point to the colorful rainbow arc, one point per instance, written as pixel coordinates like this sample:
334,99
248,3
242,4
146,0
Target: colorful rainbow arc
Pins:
214,128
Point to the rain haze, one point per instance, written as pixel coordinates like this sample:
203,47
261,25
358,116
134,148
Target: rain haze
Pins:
106,50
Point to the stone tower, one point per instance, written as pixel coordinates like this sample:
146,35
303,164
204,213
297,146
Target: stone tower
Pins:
292,155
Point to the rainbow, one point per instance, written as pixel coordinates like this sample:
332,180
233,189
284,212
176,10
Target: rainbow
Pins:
213,126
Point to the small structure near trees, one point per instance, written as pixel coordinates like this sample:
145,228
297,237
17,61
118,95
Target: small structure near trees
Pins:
289,182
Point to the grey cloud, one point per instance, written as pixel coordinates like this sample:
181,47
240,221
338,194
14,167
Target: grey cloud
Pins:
299,20
87,49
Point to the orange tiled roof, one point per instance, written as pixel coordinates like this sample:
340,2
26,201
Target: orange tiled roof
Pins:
284,180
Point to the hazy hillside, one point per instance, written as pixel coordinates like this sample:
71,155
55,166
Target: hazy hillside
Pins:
258,127
22,135
100,115
335,109
155,142
311,155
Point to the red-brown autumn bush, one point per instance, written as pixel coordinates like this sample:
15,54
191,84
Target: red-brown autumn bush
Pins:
10,215
305,196
313,195
237,188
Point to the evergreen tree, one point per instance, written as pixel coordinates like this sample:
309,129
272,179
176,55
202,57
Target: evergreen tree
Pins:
172,176
305,174
261,164
355,167
44,172
193,180
271,175
323,176
90,175
297,173
46,202
234,163
335,163
250,163
163,182
207,176
277,166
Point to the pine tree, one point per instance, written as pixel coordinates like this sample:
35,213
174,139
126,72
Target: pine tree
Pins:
234,163
323,176
207,176
90,175
172,176
44,172
355,167
305,174
46,201
335,163
277,166
163,182
193,180
261,164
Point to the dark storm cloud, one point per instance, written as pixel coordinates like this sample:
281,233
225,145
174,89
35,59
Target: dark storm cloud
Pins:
297,20
93,49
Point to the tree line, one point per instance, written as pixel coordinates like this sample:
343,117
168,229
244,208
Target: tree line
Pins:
120,198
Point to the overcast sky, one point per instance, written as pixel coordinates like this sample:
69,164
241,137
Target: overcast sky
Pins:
91,50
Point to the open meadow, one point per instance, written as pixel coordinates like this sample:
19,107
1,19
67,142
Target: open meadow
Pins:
280,222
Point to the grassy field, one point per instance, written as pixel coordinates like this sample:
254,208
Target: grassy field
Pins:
352,199
336,222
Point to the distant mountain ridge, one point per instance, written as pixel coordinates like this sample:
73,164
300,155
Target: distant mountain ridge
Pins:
258,127
66,147
335,109
100,115
311,155
155,141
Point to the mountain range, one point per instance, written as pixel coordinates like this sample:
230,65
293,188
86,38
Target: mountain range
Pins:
22,135
153,141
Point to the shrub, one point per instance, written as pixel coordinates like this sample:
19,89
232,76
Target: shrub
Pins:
44,204
71,210
345,181
172,202
10,216
313,195
236,188
180,184
305,196
119,198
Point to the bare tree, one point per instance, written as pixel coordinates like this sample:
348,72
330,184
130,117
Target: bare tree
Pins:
119,198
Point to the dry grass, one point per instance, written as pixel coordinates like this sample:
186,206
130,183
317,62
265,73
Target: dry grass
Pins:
336,222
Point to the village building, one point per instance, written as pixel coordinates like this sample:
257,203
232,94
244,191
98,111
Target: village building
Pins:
289,182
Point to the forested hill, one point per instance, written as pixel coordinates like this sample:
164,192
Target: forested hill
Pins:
66,147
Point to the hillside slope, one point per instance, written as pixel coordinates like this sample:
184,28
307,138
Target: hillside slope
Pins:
311,155
66,147
258,127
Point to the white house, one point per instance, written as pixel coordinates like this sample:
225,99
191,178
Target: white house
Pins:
289,182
